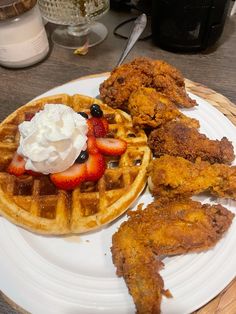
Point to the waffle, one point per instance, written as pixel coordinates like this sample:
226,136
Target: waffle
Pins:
37,205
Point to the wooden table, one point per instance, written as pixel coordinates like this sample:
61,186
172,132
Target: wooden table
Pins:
215,69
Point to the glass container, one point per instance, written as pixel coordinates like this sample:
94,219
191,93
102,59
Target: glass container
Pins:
23,39
77,20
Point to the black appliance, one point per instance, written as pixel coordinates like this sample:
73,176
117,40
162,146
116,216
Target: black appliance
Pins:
140,5
188,25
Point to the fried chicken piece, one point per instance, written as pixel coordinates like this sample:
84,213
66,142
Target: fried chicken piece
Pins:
140,269
150,109
171,176
179,139
116,90
127,78
169,81
163,228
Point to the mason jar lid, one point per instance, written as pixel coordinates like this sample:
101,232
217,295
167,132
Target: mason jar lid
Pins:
13,8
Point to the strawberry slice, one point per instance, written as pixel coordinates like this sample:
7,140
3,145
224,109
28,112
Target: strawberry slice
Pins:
99,128
92,145
111,146
95,167
90,128
105,124
33,173
29,116
17,165
70,178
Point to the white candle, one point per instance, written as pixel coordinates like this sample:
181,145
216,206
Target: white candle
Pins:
23,39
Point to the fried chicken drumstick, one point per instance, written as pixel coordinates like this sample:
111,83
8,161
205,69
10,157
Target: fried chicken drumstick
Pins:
171,176
163,228
179,139
150,109
127,78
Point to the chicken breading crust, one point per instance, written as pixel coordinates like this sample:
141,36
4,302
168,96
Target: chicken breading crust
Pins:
163,228
179,139
127,78
170,176
150,109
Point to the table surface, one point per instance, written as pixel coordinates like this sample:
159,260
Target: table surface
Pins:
215,68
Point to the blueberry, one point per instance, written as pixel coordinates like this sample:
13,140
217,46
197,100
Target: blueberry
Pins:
83,114
96,111
83,156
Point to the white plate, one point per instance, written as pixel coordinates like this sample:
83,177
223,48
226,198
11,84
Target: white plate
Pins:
76,275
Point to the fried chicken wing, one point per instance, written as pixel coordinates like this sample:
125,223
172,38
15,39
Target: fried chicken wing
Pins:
163,228
171,176
127,78
179,139
140,269
150,109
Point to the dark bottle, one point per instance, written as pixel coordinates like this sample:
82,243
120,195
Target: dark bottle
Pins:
188,25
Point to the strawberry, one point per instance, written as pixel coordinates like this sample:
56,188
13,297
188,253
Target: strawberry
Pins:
17,165
70,178
32,173
29,116
90,128
105,124
111,146
95,167
92,145
99,129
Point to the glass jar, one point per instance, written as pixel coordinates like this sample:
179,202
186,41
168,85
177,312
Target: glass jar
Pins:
23,39
76,18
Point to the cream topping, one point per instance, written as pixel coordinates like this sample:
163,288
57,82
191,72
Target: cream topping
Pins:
53,139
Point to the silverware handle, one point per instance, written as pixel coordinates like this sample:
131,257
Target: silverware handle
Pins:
139,26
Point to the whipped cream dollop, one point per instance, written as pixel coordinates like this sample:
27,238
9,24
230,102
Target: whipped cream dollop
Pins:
52,140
